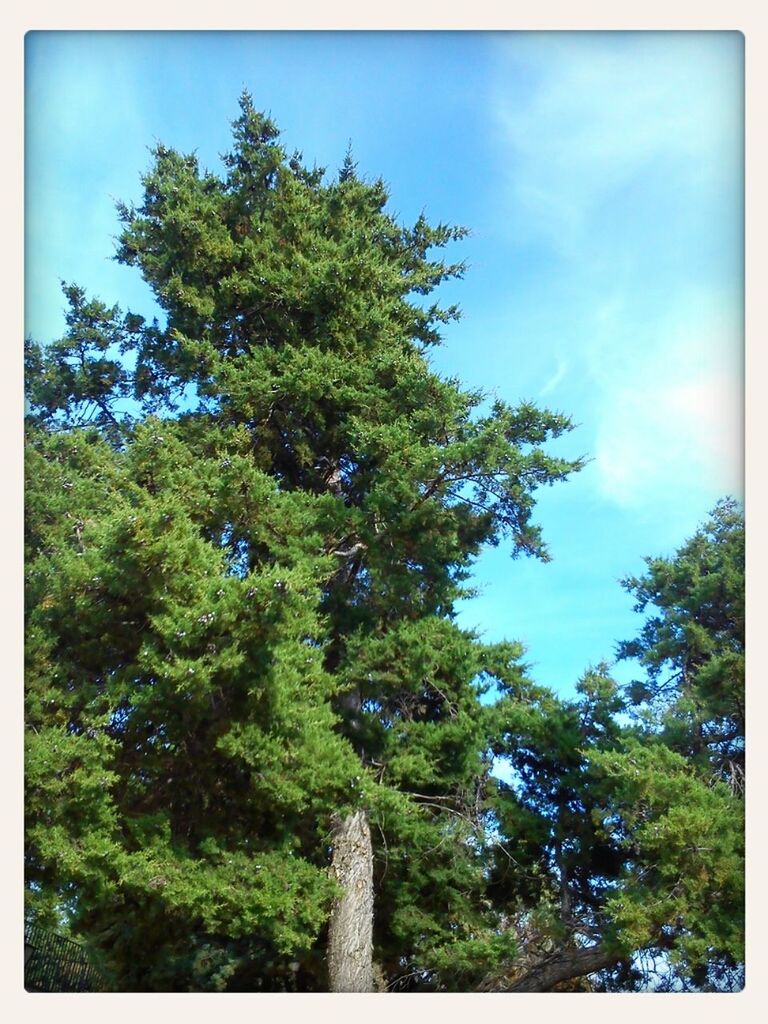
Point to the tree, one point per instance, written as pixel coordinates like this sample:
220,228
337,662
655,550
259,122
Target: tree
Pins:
692,647
637,830
248,528
261,753
615,852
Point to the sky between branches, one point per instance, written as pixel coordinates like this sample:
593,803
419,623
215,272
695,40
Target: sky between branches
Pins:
601,176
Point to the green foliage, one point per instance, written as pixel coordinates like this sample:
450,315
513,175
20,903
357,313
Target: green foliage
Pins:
692,645
247,531
240,599
181,744
78,380
684,877
556,848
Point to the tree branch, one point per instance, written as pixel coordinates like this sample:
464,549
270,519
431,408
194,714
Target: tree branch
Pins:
565,965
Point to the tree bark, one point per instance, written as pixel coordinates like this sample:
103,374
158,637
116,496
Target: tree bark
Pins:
350,931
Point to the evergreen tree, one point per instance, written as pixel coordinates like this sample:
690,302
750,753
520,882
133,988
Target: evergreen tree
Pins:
248,527
637,831
620,863
241,595
692,645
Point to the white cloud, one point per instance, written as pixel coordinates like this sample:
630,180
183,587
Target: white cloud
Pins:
586,115
669,416
624,170
556,379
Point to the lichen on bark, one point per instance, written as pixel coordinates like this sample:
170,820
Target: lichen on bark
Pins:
350,931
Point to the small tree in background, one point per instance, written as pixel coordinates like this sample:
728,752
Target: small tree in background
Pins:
692,645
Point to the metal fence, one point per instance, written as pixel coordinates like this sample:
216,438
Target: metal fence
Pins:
55,964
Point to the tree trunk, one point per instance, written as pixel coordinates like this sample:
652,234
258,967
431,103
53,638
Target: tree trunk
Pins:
350,932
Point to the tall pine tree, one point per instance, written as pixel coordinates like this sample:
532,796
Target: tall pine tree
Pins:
242,591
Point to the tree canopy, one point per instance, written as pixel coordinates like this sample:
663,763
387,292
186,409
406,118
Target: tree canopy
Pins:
248,526
692,646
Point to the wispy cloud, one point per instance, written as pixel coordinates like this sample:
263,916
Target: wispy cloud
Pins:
556,379
625,169
669,413
601,113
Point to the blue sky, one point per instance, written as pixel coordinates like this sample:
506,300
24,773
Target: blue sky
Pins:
601,177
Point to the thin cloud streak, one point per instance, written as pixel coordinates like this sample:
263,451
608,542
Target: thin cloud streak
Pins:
604,111
556,379
625,166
